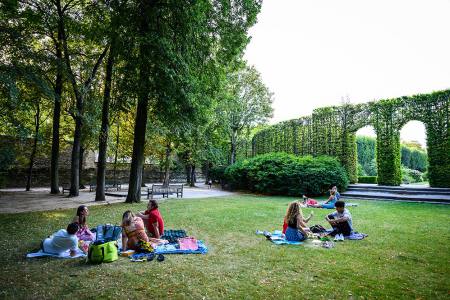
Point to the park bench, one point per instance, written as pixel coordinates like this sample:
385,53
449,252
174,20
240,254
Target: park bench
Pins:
108,185
65,187
165,190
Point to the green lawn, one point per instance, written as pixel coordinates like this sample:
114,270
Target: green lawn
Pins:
406,255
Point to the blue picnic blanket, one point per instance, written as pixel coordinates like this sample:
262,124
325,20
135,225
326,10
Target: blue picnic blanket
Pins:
277,237
66,254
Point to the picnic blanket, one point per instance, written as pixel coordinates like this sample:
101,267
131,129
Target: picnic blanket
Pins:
174,248
277,237
66,254
354,236
172,235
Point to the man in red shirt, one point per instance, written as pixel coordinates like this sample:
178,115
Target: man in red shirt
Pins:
153,220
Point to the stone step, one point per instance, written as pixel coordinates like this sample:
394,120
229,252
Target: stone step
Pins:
419,197
402,187
404,191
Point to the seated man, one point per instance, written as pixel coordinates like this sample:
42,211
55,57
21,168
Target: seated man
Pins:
61,241
153,220
341,221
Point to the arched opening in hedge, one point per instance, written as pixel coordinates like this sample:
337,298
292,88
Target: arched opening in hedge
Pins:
413,152
366,146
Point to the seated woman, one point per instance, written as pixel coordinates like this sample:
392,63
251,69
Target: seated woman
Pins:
329,204
296,230
338,196
83,233
132,231
153,220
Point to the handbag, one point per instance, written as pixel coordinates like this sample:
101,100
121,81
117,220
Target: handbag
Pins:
100,252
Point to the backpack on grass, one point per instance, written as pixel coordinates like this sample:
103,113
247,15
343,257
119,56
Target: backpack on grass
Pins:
108,232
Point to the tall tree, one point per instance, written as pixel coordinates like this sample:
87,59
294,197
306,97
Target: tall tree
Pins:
245,102
178,42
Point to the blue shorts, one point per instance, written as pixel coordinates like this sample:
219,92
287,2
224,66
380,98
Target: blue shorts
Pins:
294,235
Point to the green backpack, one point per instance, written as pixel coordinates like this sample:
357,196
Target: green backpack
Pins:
103,252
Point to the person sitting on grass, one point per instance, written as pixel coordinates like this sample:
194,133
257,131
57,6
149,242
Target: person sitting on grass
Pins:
329,204
153,220
296,230
338,196
62,241
133,231
341,221
83,232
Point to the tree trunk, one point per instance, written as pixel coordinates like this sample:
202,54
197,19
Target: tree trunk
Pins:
103,137
143,175
80,172
193,177
167,165
116,152
137,160
187,169
233,147
54,164
75,162
33,151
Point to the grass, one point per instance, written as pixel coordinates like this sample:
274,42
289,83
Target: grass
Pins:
405,256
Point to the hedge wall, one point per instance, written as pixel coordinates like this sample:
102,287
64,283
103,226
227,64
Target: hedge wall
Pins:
331,131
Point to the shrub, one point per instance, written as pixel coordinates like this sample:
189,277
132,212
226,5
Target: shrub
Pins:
367,179
411,176
216,174
287,174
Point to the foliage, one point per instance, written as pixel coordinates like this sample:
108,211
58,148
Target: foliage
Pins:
287,174
331,131
414,158
411,176
244,102
217,174
367,179
366,148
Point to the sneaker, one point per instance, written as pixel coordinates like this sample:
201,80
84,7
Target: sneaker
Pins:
336,237
341,237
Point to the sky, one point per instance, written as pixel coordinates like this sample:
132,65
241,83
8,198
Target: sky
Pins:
314,53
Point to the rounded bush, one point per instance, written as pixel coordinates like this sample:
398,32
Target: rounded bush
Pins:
367,179
287,174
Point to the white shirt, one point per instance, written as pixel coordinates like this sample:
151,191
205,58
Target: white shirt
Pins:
60,242
345,213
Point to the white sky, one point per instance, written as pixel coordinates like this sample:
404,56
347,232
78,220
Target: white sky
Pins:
312,53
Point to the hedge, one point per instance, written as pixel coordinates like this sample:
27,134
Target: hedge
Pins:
367,179
287,174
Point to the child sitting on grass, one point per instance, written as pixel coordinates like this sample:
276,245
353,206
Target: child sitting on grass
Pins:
341,221
153,220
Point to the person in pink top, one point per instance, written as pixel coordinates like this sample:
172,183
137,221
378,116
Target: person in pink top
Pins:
133,231
83,233
153,220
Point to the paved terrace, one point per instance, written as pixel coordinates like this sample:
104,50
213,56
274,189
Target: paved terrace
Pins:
40,199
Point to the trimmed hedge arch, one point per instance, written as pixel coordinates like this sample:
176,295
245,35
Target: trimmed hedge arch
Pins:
331,131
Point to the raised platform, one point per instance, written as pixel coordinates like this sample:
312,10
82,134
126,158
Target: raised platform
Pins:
412,193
